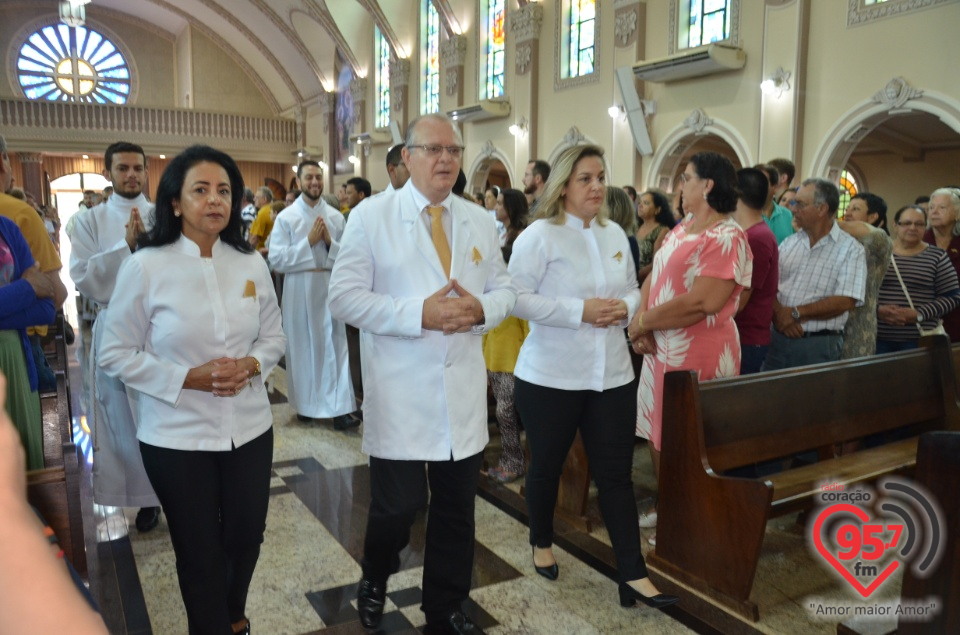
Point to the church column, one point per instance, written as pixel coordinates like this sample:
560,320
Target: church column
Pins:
399,92
32,165
629,19
358,91
525,24
453,55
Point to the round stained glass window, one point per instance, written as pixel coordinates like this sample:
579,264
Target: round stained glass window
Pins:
62,63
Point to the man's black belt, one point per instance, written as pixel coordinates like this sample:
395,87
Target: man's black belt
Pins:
822,333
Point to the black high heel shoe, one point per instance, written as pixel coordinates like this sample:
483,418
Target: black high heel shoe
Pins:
629,597
550,573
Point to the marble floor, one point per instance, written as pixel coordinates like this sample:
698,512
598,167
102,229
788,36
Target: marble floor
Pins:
309,566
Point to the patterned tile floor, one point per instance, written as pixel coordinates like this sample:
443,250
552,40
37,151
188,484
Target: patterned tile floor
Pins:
306,578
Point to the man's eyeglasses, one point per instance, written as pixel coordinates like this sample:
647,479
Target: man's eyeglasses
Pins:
435,151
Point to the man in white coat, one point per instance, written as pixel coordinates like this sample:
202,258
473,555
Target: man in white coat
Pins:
420,273
303,246
103,237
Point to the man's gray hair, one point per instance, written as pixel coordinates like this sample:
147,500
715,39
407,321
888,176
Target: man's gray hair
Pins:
266,193
825,191
436,116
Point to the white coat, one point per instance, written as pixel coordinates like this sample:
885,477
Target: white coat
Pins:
425,392
98,248
318,364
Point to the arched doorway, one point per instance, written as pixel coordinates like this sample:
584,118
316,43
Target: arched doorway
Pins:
698,133
902,142
490,167
66,194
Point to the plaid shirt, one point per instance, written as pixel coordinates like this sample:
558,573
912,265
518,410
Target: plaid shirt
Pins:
835,266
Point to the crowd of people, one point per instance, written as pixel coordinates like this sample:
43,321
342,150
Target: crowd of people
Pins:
555,296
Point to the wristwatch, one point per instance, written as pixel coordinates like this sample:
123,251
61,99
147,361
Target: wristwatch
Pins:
795,313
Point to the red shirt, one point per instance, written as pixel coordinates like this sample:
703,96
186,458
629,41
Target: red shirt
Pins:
755,319
951,321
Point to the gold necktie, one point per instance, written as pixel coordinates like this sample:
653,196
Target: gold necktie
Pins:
439,237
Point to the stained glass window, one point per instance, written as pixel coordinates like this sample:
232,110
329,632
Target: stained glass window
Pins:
495,51
382,116
848,189
430,95
62,63
707,21
583,14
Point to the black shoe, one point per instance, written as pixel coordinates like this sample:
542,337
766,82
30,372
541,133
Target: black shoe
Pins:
147,519
344,422
629,597
551,572
304,418
456,624
370,598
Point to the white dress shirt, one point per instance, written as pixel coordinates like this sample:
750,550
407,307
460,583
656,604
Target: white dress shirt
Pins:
835,266
180,311
555,268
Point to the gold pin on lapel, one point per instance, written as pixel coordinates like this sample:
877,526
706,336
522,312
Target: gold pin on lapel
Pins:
618,256
476,257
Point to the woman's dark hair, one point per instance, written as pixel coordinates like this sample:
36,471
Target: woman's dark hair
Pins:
665,215
168,227
710,165
754,187
493,188
916,208
515,204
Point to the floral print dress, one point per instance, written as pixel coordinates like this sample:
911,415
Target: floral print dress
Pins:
711,346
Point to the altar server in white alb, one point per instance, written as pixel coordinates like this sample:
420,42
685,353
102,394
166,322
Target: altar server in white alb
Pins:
103,238
303,246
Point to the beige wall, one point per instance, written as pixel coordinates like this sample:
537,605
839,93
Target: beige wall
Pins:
219,84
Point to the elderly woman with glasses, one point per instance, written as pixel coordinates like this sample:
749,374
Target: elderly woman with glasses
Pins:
919,288
943,222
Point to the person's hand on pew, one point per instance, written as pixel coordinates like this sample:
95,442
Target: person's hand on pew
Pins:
37,596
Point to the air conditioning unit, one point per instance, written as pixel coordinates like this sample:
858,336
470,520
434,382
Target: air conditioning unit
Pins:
716,58
485,109
375,137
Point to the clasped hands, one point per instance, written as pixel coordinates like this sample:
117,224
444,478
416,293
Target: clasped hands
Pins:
896,315
603,312
451,314
784,323
318,232
642,340
224,377
134,228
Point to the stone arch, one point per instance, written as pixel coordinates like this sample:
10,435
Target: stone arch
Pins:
573,137
480,167
896,98
696,130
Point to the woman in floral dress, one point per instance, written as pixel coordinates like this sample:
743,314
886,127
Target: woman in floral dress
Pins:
688,303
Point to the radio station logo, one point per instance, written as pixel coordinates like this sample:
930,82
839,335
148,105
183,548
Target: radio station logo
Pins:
865,539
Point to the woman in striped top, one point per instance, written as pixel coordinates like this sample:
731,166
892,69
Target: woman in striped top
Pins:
930,280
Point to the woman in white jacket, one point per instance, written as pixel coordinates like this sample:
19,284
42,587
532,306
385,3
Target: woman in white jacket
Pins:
194,328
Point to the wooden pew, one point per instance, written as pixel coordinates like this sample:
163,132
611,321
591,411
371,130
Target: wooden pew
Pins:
55,490
938,470
710,528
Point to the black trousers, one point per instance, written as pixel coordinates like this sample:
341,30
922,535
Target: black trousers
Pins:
216,507
606,421
398,490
